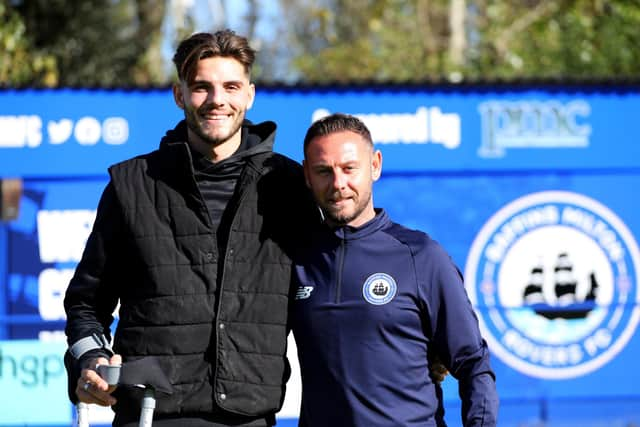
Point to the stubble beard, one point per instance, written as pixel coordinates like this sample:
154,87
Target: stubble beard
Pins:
338,218
196,127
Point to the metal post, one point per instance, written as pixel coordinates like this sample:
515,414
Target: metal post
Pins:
148,406
83,414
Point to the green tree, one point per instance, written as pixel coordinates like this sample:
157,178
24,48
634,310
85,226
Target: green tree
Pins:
418,40
98,43
20,64
590,39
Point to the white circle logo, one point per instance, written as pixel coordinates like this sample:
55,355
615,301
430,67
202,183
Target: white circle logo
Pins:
554,279
87,131
115,130
379,289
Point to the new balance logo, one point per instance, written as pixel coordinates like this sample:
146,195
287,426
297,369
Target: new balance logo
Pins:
304,292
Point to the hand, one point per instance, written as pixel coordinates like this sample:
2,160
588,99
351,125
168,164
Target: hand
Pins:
91,388
438,372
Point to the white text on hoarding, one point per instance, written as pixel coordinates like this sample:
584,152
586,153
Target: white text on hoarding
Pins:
426,125
27,131
533,124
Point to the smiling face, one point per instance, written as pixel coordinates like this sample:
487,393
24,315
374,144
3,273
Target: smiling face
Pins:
340,169
215,102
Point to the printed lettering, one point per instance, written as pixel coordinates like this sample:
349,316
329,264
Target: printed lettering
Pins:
20,131
62,235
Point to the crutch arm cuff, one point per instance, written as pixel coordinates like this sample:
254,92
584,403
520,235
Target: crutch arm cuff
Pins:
92,342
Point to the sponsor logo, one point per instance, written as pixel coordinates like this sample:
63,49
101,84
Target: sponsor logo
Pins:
554,279
27,131
533,124
426,125
33,371
304,292
379,289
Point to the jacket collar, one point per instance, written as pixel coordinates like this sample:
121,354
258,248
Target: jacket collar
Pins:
261,134
347,232
257,138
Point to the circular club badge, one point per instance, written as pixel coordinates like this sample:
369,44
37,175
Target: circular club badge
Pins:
554,278
379,289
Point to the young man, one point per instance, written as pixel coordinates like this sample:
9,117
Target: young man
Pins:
194,240
375,301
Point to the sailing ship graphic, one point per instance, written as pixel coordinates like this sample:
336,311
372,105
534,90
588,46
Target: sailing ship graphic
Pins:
380,289
567,305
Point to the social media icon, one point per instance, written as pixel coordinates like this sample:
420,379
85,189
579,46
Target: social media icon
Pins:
115,130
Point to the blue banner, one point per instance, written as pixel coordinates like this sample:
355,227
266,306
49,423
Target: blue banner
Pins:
529,190
82,132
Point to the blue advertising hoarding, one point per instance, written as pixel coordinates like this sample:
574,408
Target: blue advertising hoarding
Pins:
81,132
531,191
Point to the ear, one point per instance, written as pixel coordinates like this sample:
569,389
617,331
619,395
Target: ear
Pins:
252,95
376,165
177,95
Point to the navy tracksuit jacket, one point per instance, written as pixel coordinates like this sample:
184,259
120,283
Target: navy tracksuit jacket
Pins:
372,303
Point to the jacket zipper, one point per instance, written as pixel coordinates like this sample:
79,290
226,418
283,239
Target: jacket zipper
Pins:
218,325
340,268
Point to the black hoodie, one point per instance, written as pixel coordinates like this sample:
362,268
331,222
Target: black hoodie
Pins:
217,181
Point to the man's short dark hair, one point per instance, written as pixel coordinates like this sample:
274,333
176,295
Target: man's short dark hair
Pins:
337,122
225,43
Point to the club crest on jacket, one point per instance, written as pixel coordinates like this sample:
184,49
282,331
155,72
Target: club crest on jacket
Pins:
379,289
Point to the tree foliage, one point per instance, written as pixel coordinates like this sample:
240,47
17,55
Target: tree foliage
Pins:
20,64
79,43
118,42
417,40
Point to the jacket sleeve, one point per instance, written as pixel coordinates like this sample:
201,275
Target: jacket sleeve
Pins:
91,296
453,327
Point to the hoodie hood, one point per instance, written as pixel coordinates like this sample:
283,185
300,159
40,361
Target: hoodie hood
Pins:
256,138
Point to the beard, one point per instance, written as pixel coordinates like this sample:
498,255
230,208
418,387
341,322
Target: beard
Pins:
210,134
341,217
